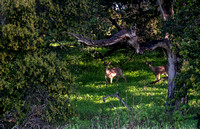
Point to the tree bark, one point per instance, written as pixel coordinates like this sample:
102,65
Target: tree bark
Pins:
2,19
172,71
172,64
126,35
166,8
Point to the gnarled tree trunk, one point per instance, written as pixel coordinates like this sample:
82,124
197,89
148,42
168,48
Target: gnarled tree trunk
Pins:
172,64
166,9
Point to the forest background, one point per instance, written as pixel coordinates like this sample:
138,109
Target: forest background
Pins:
41,64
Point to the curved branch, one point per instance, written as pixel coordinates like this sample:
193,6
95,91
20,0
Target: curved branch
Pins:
129,36
152,45
117,95
123,34
126,35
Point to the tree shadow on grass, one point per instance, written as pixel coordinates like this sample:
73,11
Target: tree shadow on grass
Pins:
91,98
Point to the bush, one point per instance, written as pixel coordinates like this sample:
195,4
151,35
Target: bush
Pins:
19,32
41,83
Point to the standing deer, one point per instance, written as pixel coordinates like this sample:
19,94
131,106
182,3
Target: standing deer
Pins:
158,70
111,73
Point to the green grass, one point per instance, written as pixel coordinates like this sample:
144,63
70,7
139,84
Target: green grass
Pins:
147,100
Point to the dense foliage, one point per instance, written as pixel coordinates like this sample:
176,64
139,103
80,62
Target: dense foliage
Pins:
38,82
185,34
18,33
33,77
144,14
35,80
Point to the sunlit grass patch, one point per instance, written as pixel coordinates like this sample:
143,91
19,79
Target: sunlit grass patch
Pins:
94,86
147,100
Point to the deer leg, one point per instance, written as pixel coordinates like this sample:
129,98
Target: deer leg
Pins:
124,78
106,79
116,78
111,80
158,76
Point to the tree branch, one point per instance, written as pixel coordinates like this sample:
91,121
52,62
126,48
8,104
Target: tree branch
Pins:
161,10
117,95
154,82
121,35
130,57
152,45
127,35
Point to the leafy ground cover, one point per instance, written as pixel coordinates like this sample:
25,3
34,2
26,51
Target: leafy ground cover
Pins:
147,100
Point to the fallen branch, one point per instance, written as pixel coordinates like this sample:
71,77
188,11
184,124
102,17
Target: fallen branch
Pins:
97,55
130,57
117,95
34,118
154,82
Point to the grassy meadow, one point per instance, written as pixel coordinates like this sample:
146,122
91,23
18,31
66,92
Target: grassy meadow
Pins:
147,100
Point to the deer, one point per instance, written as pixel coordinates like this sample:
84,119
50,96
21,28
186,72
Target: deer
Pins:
158,70
114,72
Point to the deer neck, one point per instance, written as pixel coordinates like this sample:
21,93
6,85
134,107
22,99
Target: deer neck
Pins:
150,66
107,71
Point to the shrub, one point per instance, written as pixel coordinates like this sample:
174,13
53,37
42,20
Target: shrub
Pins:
184,33
39,82
19,32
